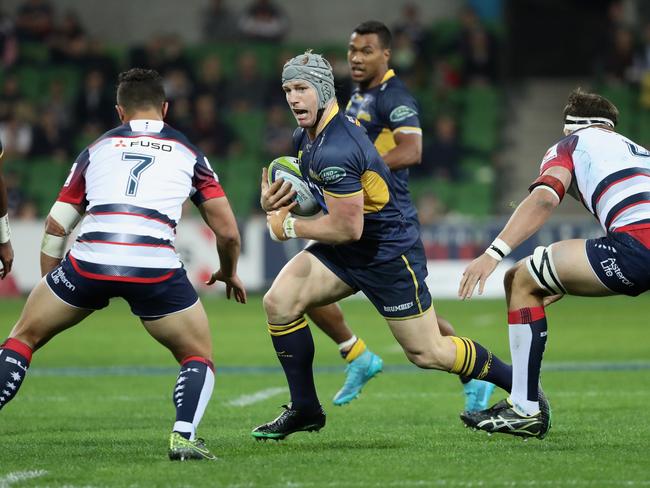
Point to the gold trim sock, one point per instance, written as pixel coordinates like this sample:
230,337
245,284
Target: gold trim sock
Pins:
474,361
294,347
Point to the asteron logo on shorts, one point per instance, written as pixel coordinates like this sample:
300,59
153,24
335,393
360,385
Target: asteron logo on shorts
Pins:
611,268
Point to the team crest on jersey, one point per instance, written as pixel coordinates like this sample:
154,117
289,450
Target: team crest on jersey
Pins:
402,113
353,120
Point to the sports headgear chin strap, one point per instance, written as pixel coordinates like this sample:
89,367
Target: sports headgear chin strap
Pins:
571,122
315,70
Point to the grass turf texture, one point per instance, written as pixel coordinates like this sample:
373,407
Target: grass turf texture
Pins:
109,427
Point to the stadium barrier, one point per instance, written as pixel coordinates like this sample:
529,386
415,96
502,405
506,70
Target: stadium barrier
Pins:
450,246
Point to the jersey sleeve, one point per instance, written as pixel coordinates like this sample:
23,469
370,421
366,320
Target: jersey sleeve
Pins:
560,154
339,171
74,188
399,111
205,182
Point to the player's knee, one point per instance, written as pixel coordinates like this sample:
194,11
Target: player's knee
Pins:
279,309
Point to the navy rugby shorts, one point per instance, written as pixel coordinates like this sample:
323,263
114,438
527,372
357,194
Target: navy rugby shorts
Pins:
147,300
621,263
396,288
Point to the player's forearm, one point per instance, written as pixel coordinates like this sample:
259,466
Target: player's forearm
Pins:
228,250
3,197
329,230
403,156
528,218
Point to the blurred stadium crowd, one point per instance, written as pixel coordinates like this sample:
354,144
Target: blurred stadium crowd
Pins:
57,95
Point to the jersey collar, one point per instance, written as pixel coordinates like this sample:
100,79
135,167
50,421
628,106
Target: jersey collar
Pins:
389,74
328,118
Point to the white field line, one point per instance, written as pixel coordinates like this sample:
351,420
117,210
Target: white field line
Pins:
449,483
258,396
18,476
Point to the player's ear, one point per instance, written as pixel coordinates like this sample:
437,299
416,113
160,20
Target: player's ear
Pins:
387,55
120,113
165,106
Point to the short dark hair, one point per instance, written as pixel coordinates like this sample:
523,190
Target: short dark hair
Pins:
140,88
584,104
376,27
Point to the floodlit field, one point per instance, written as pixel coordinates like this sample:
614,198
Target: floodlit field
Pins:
96,408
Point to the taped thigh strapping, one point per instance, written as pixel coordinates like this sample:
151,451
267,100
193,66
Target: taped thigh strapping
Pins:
541,268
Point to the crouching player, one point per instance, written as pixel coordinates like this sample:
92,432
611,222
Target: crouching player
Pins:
363,243
610,175
130,185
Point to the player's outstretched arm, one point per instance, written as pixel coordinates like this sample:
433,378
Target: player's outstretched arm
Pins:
217,214
343,223
527,219
6,251
62,220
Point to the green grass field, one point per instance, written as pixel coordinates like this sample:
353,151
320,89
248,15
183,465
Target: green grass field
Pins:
96,408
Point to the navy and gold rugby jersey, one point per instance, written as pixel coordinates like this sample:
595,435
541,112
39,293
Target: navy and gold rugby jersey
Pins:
341,162
384,110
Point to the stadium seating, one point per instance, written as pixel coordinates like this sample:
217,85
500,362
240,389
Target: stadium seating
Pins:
478,110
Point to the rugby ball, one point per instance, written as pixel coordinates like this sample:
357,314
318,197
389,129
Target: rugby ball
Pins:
288,168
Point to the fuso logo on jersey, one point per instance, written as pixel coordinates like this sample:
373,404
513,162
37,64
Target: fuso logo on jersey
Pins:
153,145
402,113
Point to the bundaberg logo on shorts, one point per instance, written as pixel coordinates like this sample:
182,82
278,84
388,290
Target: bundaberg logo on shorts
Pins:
398,308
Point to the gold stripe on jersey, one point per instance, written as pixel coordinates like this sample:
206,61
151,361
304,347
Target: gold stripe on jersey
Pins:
389,74
385,141
375,192
328,118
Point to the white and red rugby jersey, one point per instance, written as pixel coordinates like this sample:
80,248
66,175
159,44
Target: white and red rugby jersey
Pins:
133,181
611,176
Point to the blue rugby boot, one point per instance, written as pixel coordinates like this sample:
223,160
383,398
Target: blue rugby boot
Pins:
477,395
358,372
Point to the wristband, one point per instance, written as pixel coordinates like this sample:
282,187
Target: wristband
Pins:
289,226
498,249
5,231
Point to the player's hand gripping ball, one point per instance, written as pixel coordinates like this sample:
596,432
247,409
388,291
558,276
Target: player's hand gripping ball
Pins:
287,168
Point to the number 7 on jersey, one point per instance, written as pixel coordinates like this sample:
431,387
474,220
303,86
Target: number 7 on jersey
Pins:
143,162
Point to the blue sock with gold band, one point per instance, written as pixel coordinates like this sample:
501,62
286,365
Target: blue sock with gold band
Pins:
474,361
294,346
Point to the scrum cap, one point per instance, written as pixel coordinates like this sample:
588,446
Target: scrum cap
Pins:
315,70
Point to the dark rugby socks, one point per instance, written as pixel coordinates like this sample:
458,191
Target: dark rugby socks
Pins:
192,393
15,357
294,346
527,331
474,361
